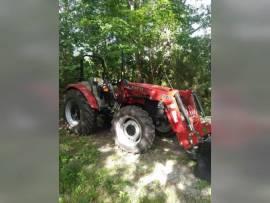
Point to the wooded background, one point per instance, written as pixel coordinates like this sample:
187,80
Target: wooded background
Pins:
156,38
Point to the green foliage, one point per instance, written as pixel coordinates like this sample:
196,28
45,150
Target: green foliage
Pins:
156,38
201,184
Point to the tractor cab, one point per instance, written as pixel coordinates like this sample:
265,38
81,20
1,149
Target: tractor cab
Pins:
100,87
102,90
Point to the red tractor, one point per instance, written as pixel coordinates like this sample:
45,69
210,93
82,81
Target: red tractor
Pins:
137,112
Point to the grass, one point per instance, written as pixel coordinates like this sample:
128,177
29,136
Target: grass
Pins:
84,179
81,181
154,194
201,184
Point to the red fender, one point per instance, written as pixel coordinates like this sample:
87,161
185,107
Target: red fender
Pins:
86,93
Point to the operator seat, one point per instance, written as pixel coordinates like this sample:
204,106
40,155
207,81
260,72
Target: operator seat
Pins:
94,85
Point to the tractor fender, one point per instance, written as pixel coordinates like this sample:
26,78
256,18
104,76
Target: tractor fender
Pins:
86,92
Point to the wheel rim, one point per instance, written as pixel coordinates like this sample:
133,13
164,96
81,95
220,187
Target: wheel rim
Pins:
128,131
72,113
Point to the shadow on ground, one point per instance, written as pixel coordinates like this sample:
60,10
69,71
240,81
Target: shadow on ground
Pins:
162,174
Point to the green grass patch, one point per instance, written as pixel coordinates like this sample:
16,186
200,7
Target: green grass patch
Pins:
153,194
81,180
201,184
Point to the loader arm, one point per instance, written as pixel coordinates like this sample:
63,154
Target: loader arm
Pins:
179,106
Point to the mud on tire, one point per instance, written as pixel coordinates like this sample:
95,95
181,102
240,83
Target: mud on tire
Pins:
133,129
80,117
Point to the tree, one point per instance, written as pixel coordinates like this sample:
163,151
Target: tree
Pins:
156,37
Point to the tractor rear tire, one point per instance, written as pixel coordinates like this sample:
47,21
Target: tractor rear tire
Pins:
133,129
80,117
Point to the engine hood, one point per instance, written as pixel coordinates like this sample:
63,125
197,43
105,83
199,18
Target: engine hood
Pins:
151,86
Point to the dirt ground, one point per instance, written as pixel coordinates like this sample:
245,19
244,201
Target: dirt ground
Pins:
162,174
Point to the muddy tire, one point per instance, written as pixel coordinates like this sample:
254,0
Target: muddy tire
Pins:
80,117
133,129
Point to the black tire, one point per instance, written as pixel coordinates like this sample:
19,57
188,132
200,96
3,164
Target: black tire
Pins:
203,168
142,137
168,132
86,121
104,121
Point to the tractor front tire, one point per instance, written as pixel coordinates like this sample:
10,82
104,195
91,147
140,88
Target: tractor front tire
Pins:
80,117
133,129
163,128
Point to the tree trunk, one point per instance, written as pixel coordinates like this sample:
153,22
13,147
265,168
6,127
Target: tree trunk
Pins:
131,4
139,67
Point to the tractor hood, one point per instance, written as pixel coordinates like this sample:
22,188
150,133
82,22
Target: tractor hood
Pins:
158,88
151,86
